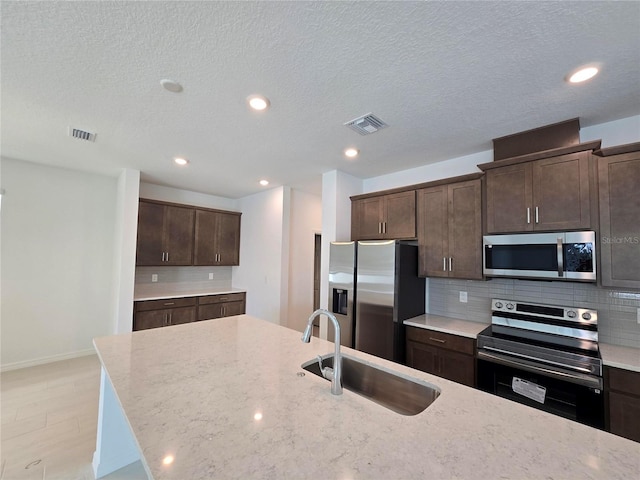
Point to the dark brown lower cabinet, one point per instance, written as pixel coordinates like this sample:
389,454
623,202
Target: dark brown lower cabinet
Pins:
448,356
218,306
162,313
624,402
174,311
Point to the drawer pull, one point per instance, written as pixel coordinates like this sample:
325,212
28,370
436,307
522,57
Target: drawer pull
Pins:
437,340
169,303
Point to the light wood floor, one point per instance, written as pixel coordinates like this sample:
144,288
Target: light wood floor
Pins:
49,418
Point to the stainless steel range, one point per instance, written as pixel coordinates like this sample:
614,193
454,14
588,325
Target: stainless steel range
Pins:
545,356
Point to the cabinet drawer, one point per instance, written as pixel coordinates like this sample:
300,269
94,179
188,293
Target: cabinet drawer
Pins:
227,297
442,340
625,381
165,303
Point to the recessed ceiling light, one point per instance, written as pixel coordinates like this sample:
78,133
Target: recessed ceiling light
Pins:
351,152
171,85
258,102
582,75
180,161
264,183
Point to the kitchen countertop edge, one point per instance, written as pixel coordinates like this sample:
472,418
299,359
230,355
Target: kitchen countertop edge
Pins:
190,293
454,326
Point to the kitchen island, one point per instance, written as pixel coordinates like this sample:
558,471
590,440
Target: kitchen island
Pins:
224,399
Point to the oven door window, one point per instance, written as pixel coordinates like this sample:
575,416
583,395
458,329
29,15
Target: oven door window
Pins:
564,399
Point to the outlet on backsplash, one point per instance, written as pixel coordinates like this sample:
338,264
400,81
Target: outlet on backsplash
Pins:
210,275
154,277
463,297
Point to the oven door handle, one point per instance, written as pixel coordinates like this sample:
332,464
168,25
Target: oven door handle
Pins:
577,378
559,252
535,359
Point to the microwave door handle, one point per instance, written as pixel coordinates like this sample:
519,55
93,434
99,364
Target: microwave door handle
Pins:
560,259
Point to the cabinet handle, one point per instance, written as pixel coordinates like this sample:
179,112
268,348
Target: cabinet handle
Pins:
384,227
167,256
170,318
444,264
537,219
437,340
450,263
169,303
166,319
528,215
163,256
379,227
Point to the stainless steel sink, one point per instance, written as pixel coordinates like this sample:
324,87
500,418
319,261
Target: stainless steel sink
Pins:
400,394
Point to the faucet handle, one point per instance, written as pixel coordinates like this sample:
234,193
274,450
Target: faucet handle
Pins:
327,372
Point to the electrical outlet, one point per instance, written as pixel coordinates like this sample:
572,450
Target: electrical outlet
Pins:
210,275
154,277
463,297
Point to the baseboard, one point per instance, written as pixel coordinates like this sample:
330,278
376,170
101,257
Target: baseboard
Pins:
42,360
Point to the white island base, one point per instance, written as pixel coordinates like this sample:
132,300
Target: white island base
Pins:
115,446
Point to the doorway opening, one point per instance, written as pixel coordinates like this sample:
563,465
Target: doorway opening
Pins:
317,248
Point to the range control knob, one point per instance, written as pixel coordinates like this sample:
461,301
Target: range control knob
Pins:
499,305
586,316
510,306
571,314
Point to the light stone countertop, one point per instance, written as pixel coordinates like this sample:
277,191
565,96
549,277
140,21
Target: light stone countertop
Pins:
455,326
193,391
171,293
622,357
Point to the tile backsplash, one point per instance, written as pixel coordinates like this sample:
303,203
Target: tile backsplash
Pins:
181,279
617,310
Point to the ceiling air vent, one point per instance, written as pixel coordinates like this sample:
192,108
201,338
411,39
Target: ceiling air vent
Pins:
366,124
82,134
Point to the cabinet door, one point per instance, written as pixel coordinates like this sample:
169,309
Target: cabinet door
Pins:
367,219
399,216
624,415
465,229
509,197
561,198
619,182
228,237
210,311
423,357
182,315
432,232
149,247
178,235
233,308
150,319
457,367
205,248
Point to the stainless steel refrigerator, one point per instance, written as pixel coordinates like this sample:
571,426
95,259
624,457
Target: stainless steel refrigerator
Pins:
342,279
373,287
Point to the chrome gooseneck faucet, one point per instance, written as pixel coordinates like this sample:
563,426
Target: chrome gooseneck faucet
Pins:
334,374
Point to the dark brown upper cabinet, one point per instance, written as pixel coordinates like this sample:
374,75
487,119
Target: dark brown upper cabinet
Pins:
172,234
450,230
165,234
217,238
619,183
547,194
381,217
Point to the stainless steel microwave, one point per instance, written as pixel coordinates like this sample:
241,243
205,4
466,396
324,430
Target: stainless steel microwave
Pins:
567,256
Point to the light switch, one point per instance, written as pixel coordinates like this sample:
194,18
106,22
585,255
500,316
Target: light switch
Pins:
154,277
463,297
210,275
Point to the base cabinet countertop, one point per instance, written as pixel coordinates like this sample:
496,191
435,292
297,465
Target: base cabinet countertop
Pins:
194,392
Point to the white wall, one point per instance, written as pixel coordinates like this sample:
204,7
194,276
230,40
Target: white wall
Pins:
176,195
124,262
261,252
306,222
618,132
57,230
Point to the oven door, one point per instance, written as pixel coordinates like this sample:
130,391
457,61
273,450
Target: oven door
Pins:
538,389
550,256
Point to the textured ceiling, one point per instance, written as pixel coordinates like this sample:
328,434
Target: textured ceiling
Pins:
446,76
